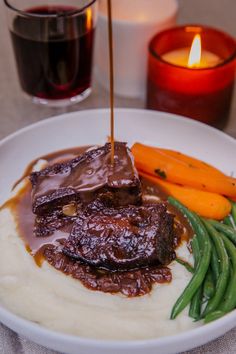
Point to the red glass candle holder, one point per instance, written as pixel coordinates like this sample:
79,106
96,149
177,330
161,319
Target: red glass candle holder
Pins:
203,94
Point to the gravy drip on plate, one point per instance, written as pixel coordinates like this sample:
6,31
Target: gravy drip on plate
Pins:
130,283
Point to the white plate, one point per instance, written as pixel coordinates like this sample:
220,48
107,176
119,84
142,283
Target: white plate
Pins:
92,127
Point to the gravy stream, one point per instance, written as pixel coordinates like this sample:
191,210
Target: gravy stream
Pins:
111,63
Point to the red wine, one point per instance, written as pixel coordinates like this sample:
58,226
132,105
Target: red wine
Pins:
53,54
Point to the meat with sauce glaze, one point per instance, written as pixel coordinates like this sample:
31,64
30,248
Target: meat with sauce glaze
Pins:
123,238
114,241
86,178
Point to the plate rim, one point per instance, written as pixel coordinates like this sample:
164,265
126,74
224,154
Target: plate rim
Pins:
168,115
108,343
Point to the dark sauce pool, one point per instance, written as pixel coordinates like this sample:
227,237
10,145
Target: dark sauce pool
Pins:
130,283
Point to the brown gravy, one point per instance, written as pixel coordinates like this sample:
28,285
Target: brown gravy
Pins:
130,283
111,67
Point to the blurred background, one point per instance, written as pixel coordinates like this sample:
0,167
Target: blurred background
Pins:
17,111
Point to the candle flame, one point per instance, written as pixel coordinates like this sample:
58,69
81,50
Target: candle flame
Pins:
195,53
89,22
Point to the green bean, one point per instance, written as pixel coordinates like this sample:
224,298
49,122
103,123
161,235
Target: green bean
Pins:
209,286
221,285
233,212
228,221
227,230
214,316
204,260
196,250
229,301
193,218
185,264
196,304
215,264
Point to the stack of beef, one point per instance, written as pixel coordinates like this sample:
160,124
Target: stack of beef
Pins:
111,229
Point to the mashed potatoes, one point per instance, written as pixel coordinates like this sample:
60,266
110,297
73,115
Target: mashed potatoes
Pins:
59,302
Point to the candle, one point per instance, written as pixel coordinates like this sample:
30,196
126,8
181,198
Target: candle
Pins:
180,57
191,72
194,57
134,24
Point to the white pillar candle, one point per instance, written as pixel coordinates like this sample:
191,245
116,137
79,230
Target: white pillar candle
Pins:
134,24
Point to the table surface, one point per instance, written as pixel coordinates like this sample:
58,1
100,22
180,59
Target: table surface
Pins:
17,112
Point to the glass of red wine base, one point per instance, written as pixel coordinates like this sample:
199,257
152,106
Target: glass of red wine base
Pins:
53,47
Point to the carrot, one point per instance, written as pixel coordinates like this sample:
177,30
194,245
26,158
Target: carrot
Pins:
191,161
157,163
206,204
